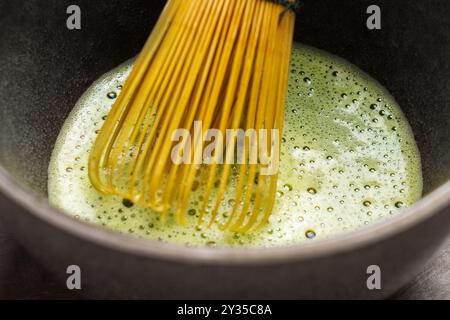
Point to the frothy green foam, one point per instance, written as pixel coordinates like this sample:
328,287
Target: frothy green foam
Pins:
349,159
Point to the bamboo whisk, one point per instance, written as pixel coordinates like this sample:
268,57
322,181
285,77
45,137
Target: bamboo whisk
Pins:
224,63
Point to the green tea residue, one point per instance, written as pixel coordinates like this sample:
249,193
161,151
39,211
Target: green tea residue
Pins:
349,159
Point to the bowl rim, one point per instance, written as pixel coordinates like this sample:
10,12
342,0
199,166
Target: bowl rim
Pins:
39,206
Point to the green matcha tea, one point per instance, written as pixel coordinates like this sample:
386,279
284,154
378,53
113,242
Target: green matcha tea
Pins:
348,159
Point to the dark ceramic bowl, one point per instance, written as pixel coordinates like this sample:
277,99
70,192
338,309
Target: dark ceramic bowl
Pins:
44,69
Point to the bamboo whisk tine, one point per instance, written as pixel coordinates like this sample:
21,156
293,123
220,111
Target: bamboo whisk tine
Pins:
221,63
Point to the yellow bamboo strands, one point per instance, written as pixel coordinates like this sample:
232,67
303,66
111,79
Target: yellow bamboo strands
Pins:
221,63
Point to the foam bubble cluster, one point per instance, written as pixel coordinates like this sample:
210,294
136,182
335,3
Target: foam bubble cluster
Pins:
349,159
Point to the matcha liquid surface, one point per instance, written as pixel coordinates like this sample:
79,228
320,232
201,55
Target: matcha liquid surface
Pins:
348,159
